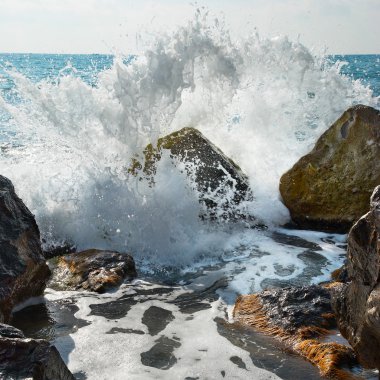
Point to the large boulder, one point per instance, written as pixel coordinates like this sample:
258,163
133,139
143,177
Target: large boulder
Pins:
94,270
300,318
32,359
23,271
330,187
357,301
221,184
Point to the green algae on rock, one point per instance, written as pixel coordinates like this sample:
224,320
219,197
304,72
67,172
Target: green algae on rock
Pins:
221,184
330,188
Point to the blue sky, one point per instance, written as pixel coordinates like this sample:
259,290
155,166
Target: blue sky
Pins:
105,26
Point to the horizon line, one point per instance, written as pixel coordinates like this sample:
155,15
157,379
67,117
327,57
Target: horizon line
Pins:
114,54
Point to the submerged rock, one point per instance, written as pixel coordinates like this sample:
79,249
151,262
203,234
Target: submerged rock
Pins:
221,184
23,271
357,301
32,359
94,270
330,187
299,317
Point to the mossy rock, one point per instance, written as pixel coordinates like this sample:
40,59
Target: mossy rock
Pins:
330,188
221,184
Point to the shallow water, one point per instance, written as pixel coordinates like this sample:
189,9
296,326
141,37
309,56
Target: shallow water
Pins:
181,329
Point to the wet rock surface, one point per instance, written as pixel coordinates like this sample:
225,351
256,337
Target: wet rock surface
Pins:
357,301
35,359
329,188
7,331
299,318
93,270
293,307
221,183
23,271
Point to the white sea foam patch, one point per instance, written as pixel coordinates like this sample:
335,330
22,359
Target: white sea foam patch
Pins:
199,350
264,102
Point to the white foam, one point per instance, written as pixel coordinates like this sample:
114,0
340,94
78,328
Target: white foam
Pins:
202,352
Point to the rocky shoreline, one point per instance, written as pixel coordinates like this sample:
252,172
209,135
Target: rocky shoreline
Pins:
328,189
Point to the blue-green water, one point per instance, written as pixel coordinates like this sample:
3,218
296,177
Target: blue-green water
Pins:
365,68
37,67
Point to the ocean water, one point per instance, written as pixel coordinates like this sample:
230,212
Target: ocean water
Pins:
71,124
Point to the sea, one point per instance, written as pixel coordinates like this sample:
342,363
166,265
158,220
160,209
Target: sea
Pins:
70,125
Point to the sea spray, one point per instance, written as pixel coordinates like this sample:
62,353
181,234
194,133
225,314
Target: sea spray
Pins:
262,101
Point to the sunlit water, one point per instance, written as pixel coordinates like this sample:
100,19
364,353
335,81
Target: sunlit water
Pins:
70,126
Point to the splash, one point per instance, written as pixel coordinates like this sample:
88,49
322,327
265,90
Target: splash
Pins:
262,101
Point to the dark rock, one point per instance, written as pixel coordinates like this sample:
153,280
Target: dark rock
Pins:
23,271
221,183
299,318
35,359
357,302
93,270
291,308
329,188
7,331
156,319
161,354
